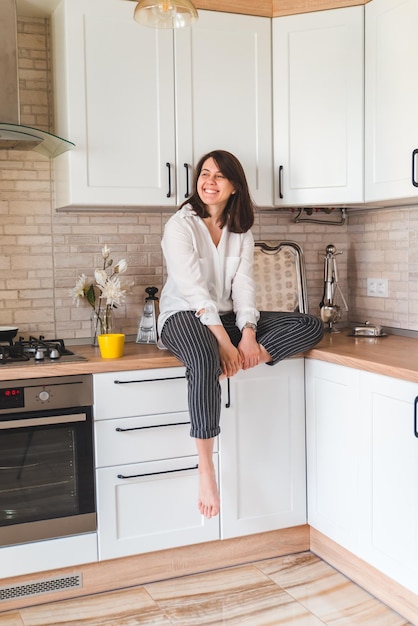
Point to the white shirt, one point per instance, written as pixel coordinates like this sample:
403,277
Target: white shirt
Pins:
203,276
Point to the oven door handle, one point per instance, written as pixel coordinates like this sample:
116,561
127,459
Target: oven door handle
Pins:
43,421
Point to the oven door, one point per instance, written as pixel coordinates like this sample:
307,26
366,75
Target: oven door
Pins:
46,475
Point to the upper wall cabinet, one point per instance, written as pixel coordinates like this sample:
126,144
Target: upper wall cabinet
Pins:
391,172
143,105
318,94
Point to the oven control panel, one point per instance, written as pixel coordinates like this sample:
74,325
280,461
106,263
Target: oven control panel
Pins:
36,394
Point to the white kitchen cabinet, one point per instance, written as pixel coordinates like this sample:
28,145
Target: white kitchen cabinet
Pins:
362,462
146,464
262,450
143,105
318,75
391,139
392,477
337,444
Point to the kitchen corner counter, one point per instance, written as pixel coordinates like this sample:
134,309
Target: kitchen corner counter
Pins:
394,355
136,357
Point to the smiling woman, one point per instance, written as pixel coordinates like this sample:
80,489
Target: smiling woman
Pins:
208,314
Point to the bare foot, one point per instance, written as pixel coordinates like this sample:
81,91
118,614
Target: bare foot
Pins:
209,501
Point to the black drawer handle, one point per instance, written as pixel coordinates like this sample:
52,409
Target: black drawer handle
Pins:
149,380
415,417
127,430
182,469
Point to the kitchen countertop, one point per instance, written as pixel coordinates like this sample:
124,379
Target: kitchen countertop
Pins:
136,357
394,355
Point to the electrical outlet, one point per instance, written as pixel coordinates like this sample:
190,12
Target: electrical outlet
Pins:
377,287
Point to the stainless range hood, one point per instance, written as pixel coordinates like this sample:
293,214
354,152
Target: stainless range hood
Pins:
14,136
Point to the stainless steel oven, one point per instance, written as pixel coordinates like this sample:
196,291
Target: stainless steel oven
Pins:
46,458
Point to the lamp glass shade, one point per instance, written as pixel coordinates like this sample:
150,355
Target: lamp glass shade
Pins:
165,13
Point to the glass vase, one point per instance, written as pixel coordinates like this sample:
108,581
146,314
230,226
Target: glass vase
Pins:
101,324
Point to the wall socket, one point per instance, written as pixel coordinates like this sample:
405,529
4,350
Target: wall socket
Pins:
377,287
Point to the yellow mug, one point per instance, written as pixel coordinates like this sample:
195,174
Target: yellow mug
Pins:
111,345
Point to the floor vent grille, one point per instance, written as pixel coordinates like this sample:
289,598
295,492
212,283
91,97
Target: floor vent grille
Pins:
13,592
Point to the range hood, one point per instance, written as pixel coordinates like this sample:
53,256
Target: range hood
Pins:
14,136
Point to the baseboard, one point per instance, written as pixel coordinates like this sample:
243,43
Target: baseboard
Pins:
145,568
379,585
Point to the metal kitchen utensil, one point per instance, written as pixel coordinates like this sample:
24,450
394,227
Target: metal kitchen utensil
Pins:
330,311
147,331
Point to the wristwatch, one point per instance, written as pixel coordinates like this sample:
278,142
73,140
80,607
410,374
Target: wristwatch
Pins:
250,325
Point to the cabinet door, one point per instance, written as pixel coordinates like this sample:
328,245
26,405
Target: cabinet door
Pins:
391,100
318,73
223,95
262,450
338,441
393,472
114,96
150,506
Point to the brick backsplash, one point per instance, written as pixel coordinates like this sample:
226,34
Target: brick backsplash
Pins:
42,252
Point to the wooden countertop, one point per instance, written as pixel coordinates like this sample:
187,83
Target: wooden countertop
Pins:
394,356
136,357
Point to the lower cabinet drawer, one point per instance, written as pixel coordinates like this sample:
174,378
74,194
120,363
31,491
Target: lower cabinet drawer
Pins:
145,438
142,392
150,506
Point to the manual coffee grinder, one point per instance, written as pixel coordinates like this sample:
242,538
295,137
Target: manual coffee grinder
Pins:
147,331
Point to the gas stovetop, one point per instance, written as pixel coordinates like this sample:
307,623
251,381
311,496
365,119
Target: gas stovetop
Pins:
36,350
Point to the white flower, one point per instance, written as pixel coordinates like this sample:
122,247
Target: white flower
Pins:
106,285
80,288
112,292
101,277
120,267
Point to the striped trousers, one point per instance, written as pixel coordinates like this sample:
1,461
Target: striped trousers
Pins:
281,334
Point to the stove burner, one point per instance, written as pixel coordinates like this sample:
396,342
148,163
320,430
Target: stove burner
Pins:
39,349
12,353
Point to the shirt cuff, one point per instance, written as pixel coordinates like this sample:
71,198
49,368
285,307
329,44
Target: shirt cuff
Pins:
210,316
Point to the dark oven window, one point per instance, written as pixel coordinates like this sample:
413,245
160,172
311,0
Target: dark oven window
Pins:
46,469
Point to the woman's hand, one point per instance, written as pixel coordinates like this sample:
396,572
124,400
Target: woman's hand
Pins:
230,357
249,349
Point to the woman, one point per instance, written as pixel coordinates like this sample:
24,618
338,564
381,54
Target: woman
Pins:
208,316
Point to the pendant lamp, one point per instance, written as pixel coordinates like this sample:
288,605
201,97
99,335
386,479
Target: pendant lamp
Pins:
165,13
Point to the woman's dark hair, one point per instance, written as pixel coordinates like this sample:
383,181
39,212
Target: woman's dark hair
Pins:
239,211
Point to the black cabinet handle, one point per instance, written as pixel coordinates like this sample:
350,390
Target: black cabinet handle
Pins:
169,179
186,167
281,182
415,417
228,402
414,180
127,430
147,380
182,469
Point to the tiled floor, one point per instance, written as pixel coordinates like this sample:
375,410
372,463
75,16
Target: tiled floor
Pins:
299,590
